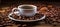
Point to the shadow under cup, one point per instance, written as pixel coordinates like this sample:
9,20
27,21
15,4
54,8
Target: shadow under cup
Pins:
27,10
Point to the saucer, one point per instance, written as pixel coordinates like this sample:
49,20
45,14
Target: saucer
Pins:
41,18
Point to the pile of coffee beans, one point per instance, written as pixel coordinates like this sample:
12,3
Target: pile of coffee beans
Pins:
52,16
35,17
6,22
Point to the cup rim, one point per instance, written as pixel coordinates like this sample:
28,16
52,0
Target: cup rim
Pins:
34,7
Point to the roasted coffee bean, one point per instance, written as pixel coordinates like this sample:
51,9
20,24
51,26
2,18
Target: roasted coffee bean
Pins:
19,18
30,18
24,25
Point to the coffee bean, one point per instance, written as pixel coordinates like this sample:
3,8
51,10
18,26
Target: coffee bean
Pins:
24,25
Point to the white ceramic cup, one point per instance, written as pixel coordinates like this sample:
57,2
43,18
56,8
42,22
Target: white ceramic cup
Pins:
27,10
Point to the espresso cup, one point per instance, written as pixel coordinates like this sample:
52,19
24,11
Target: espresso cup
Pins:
27,10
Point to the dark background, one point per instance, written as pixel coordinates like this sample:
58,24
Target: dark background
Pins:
12,2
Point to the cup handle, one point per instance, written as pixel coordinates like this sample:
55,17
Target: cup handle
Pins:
16,12
15,9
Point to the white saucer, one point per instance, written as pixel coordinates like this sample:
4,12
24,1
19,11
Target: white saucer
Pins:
25,20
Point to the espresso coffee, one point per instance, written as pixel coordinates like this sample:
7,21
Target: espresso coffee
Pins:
27,7
28,11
